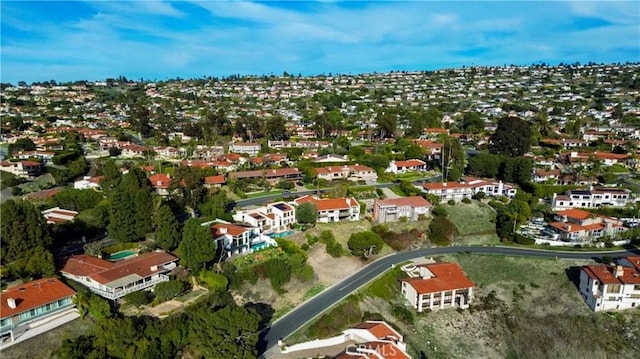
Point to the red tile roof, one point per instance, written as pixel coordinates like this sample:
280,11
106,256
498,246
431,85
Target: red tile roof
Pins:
140,265
410,163
214,180
414,201
104,271
83,265
380,330
329,204
32,295
447,276
160,180
606,274
575,214
232,229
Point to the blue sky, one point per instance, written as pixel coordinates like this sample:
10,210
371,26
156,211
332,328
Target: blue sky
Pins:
93,40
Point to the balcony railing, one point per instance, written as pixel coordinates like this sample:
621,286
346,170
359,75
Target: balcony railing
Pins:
121,292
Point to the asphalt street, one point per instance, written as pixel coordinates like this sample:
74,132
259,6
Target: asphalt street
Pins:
292,321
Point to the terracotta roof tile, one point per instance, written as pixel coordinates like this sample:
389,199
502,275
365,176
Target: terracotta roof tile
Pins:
32,295
447,276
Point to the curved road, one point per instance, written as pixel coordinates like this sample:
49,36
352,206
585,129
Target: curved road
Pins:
307,311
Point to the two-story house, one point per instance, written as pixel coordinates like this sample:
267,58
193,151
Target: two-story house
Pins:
24,169
333,209
591,198
466,189
394,209
25,309
438,286
252,149
271,218
611,287
576,225
236,238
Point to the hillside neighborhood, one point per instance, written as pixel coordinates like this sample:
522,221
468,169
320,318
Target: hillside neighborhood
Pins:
144,204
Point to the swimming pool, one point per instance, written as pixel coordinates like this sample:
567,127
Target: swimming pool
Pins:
122,255
282,234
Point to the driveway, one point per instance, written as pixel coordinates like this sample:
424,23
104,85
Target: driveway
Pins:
389,193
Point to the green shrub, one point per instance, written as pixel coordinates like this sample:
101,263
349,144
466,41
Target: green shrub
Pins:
305,247
480,195
440,211
170,289
442,231
403,314
334,249
213,281
341,316
327,237
138,298
520,239
306,273
380,229
279,272
451,202
63,158
99,307
466,200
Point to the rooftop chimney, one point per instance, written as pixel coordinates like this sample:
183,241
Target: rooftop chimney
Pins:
619,271
11,302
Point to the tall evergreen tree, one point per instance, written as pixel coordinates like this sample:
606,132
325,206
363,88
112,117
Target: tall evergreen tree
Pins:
22,229
143,213
122,219
512,137
197,246
167,228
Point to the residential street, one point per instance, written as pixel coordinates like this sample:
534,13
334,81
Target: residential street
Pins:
292,321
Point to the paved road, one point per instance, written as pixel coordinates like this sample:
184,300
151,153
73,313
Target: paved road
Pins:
292,321
260,200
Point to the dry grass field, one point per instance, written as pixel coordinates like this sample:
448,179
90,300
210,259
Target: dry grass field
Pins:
524,308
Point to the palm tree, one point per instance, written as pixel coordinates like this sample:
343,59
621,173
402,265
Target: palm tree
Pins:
81,300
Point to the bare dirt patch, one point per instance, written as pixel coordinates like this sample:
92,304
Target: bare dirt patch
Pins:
328,271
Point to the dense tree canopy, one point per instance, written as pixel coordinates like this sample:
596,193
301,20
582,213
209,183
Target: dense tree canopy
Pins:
167,235
197,247
230,332
512,137
362,244
307,213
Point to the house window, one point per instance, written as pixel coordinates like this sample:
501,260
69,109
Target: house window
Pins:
613,288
